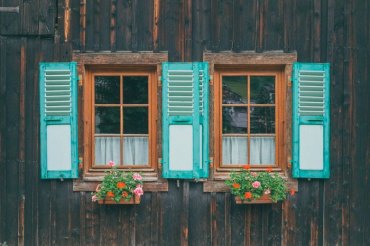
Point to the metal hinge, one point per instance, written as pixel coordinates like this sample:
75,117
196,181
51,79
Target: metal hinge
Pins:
80,81
290,81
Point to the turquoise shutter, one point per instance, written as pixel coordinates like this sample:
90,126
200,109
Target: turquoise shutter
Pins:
185,120
58,120
311,120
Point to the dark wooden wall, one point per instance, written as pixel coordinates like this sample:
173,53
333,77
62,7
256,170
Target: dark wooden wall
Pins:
330,212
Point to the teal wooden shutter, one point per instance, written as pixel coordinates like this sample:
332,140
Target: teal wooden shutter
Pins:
58,120
311,120
185,120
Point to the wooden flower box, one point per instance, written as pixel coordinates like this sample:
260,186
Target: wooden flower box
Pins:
109,201
265,199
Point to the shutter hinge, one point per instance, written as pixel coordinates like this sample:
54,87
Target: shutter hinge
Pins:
289,81
159,163
80,80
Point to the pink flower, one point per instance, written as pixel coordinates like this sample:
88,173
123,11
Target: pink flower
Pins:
94,198
138,191
111,163
256,184
137,176
268,191
254,174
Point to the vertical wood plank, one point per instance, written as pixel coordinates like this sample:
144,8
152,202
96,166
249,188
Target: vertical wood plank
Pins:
83,25
124,25
156,10
199,216
184,220
333,206
188,30
47,14
21,143
113,16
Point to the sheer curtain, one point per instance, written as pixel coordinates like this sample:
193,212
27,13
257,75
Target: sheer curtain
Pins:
135,150
234,150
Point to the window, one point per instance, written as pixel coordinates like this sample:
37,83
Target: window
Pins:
118,112
248,117
251,113
122,116
248,123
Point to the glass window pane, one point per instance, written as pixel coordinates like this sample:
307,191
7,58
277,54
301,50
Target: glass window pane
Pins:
262,120
107,89
234,150
107,149
234,89
234,119
262,150
135,120
262,90
135,151
107,120
135,89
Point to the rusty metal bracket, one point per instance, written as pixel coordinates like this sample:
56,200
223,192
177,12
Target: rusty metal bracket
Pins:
10,9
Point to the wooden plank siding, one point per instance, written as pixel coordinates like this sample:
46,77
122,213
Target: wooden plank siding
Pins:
49,212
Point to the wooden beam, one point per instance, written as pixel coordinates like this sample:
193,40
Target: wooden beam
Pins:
250,58
121,58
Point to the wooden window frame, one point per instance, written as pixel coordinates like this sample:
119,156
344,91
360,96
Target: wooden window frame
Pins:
218,106
276,62
122,63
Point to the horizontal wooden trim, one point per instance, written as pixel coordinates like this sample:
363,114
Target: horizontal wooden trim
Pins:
82,185
120,58
251,58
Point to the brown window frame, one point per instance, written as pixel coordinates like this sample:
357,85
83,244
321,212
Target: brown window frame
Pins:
218,107
127,63
276,62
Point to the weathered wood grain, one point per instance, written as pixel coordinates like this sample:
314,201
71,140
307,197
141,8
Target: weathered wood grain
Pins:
323,212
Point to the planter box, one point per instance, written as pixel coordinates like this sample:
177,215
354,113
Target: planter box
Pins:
265,199
108,201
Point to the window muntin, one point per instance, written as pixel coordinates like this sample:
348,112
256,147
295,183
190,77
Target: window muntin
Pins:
248,119
122,117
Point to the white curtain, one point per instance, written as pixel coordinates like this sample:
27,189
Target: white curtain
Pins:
234,150
135,150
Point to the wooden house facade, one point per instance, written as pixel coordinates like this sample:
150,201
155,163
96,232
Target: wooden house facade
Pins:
124,36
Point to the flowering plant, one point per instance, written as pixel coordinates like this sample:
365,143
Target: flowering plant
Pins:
119,185
252,185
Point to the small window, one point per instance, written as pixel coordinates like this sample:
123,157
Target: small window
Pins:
251,114
120,112
247,113
121,119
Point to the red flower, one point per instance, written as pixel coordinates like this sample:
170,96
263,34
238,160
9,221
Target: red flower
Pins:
248,195
121,185
269,169
292,192
124,194
247,167
110,194
236,186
